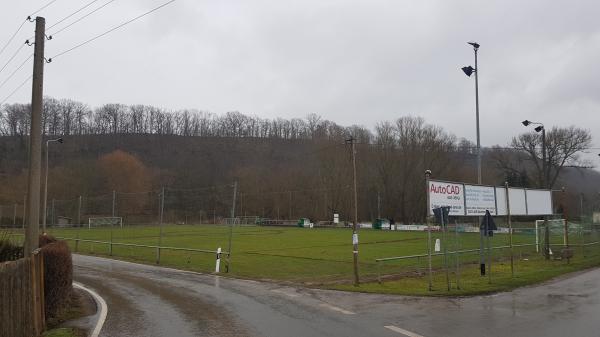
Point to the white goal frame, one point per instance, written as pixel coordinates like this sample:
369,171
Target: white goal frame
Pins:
539,223
117,221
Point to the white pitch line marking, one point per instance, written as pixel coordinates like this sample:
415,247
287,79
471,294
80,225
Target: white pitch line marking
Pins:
402,331
334,308
103,308
279,291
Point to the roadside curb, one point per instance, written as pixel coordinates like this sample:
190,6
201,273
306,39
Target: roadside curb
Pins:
100,303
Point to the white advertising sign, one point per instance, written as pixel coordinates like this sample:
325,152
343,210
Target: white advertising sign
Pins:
446,194
517,201
479,199
474,200
500,201
539,202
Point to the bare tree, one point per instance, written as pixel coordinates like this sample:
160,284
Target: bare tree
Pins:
563,146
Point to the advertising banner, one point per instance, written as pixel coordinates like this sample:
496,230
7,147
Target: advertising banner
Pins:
446,194
480,199
475,200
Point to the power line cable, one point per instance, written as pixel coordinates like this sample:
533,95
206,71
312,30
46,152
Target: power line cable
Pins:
42,8
81,18
14,91
15,71
12,57
70,15
13,36
112,29
23,23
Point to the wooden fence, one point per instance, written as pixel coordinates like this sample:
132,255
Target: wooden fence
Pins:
22,297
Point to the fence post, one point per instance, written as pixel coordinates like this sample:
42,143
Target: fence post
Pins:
53,213
510,231
110,249
79,212
378,272
24,209
15,216
427,174
457,255
218,262
160,224
114,201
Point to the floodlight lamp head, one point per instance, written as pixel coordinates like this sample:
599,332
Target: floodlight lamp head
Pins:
428,172
468,70
526,122
474,44
539,128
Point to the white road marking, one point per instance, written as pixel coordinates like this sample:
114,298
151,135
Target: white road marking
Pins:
402,331
279,291
103,308
334,308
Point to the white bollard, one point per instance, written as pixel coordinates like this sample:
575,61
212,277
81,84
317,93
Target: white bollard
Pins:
218,263
437,245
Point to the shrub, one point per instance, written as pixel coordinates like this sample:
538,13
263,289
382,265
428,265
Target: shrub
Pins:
58,275
8,250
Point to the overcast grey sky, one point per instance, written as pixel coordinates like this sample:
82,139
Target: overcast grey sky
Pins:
353,62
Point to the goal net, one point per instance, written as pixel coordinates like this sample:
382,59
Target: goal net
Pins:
556,229
105,222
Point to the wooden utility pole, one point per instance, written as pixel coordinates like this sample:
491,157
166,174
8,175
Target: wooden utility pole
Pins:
231,226
114,201
35,140
355,224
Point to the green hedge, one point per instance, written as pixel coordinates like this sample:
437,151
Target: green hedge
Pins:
58,275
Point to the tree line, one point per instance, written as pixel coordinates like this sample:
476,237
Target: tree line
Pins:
285,168
64,117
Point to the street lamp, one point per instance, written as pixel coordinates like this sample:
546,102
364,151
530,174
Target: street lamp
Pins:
59,140
540,128
469,71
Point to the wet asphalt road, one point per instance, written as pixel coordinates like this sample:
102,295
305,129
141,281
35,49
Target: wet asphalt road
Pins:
152,301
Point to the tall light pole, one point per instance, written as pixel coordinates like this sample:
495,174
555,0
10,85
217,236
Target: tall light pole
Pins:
540,128
59,140
469,71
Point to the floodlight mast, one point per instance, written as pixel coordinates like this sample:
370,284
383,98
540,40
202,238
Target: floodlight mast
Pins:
469,71
545,178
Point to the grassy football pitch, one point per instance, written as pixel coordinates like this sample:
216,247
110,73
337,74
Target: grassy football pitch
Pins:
323,257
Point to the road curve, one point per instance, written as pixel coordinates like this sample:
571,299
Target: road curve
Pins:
153,301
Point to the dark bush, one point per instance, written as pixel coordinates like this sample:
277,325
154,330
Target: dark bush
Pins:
10,252
58,275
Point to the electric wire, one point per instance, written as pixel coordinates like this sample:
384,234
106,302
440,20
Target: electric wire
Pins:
43,7
14,91
12,37
70,15
83,17
15,71
12,57
113,29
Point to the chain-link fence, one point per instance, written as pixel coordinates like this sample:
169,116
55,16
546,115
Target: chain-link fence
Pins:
11,216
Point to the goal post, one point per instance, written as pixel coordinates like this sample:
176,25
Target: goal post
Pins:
556,227
105,221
